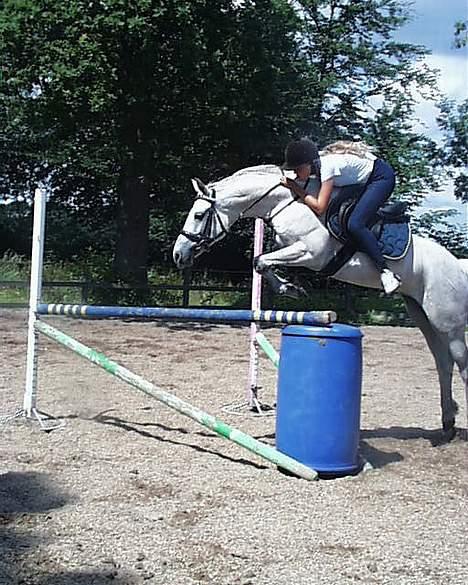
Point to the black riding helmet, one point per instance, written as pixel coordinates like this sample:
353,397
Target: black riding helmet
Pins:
300,152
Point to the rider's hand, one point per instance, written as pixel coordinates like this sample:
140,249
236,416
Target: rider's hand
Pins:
296,190
289,183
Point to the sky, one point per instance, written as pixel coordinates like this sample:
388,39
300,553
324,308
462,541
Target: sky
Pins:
433,26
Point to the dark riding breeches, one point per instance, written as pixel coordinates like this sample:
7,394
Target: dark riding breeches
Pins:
378,189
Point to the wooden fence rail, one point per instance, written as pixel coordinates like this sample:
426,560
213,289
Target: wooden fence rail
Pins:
86,286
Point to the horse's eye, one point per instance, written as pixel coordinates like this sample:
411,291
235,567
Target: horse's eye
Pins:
199,215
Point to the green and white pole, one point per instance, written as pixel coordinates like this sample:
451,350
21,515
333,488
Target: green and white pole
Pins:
269,350
207,420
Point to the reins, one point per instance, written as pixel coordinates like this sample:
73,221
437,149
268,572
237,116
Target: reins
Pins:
294,198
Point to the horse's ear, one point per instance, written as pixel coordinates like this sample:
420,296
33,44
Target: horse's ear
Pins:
196,188
200,188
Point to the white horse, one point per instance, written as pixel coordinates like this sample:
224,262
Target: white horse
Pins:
434,284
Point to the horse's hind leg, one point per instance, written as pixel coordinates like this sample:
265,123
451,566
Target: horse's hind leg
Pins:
459,352
439,345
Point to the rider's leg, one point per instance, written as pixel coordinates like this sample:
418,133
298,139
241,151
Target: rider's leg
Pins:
378,190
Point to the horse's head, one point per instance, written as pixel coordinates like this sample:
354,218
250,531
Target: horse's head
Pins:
207,222
251,192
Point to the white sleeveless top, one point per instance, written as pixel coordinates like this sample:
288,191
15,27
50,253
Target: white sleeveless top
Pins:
346,169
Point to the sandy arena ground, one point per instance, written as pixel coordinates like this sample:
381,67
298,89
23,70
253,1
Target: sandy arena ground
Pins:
129,492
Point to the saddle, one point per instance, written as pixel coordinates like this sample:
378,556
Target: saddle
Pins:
390,226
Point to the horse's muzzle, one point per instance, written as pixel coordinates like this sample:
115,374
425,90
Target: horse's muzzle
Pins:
183,253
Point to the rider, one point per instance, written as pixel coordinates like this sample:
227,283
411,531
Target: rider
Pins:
340,164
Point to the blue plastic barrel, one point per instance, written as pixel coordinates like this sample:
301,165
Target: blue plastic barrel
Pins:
319,397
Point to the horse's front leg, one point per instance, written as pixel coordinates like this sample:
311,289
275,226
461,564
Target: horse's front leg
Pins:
293,255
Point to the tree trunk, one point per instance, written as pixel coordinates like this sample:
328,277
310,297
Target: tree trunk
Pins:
131,254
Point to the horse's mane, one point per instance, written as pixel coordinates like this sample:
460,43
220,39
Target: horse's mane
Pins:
257,170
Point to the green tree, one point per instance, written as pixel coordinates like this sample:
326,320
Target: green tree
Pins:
461,34
367,84
453,121
410,152
117,103
438,225
454,154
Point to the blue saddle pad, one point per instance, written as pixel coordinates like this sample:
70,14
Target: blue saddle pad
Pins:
394,240
393,233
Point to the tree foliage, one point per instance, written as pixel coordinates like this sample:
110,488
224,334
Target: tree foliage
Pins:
461,34
454,123
118,103
368,84
438,226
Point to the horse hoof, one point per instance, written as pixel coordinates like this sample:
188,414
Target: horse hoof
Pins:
257,264
448,425
290,291
449,432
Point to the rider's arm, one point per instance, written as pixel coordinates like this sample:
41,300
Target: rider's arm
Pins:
319,205
294,187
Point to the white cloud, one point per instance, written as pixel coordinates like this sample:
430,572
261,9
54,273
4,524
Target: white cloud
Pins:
452,82
445,200
453,74
433,26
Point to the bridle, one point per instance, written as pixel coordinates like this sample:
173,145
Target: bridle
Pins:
205,239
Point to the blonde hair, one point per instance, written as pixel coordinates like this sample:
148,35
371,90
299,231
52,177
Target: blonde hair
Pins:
360,148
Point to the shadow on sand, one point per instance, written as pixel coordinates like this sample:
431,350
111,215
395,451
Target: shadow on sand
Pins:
138,428
26,500
379,458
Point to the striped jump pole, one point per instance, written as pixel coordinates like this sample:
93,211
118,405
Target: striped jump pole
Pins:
213,315
219,427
